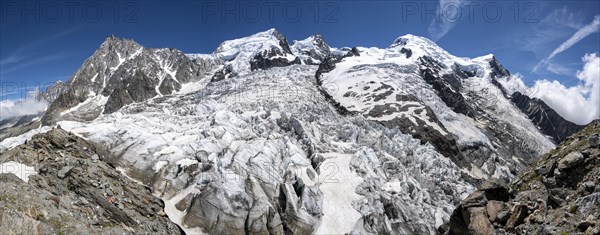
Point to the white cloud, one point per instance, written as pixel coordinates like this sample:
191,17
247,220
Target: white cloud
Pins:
583,32
579,103
22,107
447,14
513,84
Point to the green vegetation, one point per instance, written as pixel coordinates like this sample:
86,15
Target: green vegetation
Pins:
573,209
528,179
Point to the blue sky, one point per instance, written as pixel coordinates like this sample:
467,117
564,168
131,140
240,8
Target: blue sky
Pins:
41,42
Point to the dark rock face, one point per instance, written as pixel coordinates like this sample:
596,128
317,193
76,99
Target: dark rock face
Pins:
274,57
16,121
548,121
124,72
452,99
497,69
407,52
74,191
327,66
445,144
225,72
557,194
353,52
266,61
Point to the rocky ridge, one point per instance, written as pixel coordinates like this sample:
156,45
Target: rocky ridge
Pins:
557,194
121,72
58,183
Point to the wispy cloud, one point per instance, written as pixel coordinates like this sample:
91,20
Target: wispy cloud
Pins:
559,69
447,14
554,26
582,33
46,39
35,61
21,57
12,59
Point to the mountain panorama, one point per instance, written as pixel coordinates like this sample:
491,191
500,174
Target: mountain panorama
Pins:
268,136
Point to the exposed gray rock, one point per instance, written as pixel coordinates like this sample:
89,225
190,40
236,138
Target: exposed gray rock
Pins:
571,160
71,195
125,72
479,222
594,141
494,208
517,216
548,120
542,202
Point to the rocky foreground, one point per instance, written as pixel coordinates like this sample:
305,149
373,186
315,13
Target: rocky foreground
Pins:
58,183
558,194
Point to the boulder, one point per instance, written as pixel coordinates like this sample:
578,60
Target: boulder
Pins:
479,222
495,190
517,216
584,225
571,160
594,141
502,217
546,169
493,209
476,199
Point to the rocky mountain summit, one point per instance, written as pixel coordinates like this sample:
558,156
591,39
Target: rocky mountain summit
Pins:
59,183
557,194
121,72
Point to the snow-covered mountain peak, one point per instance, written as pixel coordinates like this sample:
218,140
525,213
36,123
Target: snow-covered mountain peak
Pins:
258,51
422,46
255,42
488,58
311,50
410,39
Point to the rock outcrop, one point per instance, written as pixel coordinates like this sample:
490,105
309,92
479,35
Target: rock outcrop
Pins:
557,194
58,183
546,119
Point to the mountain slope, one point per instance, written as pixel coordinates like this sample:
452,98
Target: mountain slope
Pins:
58,183
549,122
257,138
448,101
558,193
121,72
